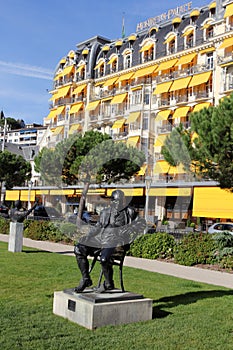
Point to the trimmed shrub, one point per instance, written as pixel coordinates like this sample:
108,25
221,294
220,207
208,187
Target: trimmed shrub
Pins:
153,246
42,230
196,248
4,226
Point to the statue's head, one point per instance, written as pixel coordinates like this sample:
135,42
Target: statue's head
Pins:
118,199
18,204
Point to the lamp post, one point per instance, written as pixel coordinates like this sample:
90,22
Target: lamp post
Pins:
148,181
29,194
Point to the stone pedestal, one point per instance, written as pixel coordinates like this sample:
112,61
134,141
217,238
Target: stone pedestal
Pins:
15,237
92,310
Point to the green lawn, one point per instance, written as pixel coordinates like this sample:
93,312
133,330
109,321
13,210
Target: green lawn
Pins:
186,315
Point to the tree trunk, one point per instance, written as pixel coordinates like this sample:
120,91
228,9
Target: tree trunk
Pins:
82,203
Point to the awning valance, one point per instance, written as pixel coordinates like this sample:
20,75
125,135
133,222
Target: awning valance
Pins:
145,71
180,84
132,141
118,98
76,107
163,115
226,43
181,112
170,192
118,123
12,195
133,117
26,195
186,59
160,140
200,106
79,89
195,13
199,79
167,65
212,202
74,128
92,105
212,5
161,88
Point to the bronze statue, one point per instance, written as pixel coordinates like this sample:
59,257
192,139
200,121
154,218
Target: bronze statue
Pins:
18,213
118,225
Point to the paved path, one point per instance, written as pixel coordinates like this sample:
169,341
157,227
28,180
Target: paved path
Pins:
217,278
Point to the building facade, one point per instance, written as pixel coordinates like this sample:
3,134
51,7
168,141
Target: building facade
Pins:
138,88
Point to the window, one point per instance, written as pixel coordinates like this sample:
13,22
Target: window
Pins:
210,32
136,97
172,47
190,40
127,61
210,60
145,122
146,98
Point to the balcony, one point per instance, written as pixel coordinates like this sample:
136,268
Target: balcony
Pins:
119,136
164,129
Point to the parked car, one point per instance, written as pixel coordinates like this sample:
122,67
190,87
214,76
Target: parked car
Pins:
4,211
221,227
46,213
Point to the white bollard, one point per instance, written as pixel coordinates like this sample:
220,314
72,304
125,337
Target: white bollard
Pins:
15,237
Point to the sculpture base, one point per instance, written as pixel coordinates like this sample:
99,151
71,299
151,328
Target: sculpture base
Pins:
15,244
93,310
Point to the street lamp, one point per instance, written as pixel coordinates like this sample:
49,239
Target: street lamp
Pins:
29,194
148,181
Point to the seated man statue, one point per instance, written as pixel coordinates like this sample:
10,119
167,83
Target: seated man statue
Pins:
18,213
118,225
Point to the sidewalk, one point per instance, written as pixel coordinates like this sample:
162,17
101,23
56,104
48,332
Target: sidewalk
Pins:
217,278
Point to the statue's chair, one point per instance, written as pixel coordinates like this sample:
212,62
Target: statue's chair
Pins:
117,259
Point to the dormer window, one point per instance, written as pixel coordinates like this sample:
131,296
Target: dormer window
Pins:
212,8
100,68
171,43
127,58
147,51
189,37
113,62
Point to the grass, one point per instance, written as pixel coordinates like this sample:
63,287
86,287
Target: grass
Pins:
186,315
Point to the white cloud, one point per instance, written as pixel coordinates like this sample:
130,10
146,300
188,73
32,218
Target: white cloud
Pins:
26,70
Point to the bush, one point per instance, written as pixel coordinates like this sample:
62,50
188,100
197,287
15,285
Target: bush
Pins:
154,246
42,230
4,226
196,248
224,251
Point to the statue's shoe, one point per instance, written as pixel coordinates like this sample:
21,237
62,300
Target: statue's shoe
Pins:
84,283
104,288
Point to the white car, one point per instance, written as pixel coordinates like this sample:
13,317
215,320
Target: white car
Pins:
220,227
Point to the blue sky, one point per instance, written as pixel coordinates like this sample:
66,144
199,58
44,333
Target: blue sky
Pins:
35,35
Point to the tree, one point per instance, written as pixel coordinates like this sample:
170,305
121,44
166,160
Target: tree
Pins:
14,170
211,152
90,158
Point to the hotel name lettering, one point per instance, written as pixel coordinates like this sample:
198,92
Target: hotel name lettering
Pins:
179,10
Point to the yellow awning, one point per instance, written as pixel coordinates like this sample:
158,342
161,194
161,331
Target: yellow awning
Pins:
78,70
142,170
132,37
58,76
71,54
68,70
145,71
132,141
186,59
209,49
118,123
113,59
92,105
181,112
60,110
139,87
161,88
146,47
118,98
176,20
167,64
26,195
195,13
51,114
61,92
99,64
160,140
200,106
188,32
63,60
126,76
74,128
229,11
212,5
162,167
169,39
208,24
163,115
129,192
79,89
85,52
12,195
212,202
118,43
58,130
76,107
170,192
226,43
105,48
199,79
180,84
133,117
110,81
